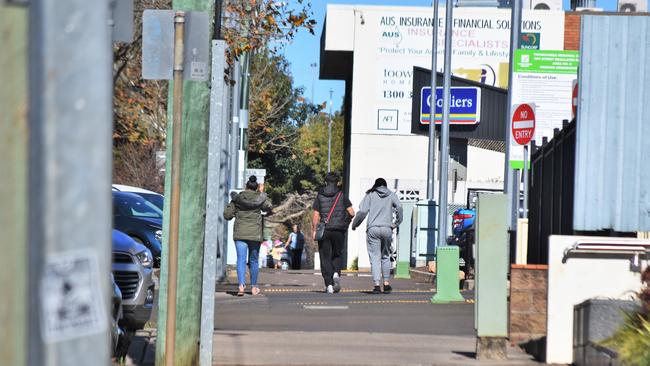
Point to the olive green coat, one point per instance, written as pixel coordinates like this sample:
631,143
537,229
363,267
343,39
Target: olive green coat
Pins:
246,208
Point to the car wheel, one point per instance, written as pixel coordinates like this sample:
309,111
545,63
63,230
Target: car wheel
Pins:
123,345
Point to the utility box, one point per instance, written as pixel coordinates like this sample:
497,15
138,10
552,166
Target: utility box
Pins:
424,228
492,262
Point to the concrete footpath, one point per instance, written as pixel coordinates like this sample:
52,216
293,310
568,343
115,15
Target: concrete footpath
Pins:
294,323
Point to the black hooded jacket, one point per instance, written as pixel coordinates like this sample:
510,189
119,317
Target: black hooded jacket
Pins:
340,219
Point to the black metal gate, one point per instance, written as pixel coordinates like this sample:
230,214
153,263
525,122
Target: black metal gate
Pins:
552,177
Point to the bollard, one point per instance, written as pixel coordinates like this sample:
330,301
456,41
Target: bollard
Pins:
447,284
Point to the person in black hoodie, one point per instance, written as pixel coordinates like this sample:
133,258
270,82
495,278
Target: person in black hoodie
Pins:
331,202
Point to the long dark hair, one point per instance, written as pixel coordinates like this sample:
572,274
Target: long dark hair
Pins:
252,183
379,182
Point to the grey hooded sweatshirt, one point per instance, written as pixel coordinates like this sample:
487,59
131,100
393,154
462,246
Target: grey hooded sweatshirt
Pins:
379,206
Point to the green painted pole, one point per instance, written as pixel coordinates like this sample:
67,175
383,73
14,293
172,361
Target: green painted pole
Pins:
404,243
13,185
447,283
194,163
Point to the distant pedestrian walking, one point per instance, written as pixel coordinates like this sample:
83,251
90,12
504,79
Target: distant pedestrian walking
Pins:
247,208
295,244
379,205
333,211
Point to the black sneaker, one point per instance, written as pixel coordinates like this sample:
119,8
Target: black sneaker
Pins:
376,290
387,289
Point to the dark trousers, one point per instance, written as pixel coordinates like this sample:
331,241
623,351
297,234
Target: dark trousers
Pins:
296,257
330,250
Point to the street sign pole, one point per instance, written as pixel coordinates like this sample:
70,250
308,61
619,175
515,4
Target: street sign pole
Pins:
446,257
176,46
444,135
515,35
174,209
525,208
329,136
432,121
522,123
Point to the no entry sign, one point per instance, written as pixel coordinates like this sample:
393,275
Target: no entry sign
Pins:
523,123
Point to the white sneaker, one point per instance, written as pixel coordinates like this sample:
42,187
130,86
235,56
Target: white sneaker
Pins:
329,289
337,282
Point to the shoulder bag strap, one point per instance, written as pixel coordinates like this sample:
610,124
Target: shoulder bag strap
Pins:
332,209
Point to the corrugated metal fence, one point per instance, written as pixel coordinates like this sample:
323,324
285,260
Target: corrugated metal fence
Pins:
612,168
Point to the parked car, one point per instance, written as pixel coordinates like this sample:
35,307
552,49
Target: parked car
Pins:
156,198
117,333
132,269
139,219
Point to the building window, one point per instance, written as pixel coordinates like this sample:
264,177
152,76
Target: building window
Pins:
408,195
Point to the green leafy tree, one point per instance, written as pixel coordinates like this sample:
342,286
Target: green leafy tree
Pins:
313,149
277,112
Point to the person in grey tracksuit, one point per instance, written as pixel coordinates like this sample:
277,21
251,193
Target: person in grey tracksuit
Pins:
379,205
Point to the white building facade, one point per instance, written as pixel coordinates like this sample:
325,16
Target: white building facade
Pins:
385,43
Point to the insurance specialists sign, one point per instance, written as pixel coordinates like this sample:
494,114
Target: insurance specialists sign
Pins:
393,40
464,105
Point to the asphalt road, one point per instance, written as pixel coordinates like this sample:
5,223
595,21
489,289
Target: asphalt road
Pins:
302,307
293,322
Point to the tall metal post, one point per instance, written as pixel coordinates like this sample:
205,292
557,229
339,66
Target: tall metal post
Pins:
70,129
525,172
218,9
313,66
174,209
432,124
13,185
234,126
233,146
515,35
444,135
214,222
329,137
243,120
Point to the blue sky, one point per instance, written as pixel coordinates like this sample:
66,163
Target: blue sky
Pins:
304,49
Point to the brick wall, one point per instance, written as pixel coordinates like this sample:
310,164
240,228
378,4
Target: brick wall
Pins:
528,293
571,31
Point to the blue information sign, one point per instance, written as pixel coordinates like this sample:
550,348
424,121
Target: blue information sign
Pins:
464,106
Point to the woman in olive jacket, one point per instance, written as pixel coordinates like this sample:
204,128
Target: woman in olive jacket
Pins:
247,208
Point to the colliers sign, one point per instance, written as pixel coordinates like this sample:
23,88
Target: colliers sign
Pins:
464,106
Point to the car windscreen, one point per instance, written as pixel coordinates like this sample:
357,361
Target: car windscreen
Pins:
156,199
138,207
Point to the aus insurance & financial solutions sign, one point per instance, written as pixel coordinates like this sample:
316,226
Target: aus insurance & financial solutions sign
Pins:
464,106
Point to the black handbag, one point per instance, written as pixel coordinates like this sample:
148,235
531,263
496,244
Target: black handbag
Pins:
320,229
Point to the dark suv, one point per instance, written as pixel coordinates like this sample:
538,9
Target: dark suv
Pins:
139,219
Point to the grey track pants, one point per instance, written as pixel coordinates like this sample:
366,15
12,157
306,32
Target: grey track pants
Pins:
379,239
